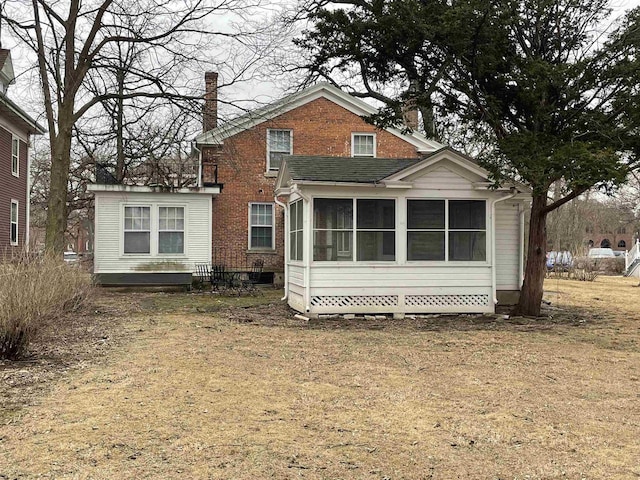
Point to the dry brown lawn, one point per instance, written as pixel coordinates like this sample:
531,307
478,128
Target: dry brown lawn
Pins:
195,386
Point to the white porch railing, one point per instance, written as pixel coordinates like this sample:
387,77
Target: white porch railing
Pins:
632,256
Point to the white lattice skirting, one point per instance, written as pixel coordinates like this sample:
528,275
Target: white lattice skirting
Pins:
355,301
431,301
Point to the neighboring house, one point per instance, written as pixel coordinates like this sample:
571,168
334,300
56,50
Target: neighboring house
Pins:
414,235
15,129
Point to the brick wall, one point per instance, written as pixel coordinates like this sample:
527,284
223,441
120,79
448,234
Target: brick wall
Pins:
12,188
319,128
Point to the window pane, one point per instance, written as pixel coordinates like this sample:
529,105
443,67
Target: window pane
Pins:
136,242
363,145
14,232
376,246
299,247
275,160
467,246
14,212
293,216
280,141
425,214
467,214
171,242
332,213
425,245
299,214
292,246
376,214
332,245
261,237
261,215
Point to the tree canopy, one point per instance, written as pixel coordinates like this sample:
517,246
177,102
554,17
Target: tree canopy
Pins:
554,90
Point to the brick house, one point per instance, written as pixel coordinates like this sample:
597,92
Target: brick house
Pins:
15,129
244,155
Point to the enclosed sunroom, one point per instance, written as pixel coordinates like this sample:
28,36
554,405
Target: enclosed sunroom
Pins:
399,236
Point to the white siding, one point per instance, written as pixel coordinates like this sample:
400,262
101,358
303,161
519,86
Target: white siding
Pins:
108,255
404,286
442,178
507,245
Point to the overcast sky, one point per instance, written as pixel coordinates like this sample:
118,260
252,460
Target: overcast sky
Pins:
24,91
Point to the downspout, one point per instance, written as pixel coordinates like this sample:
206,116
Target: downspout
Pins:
307,258
195,147
286,247
494,285
521,262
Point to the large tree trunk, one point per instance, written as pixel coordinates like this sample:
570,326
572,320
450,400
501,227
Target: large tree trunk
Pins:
531,294
57,205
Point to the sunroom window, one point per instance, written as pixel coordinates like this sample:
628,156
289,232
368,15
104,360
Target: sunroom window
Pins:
334,232
295,230
437,226
425,230
376,239
467,230
332,229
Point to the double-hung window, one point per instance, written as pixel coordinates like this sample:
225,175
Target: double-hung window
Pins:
295,231
363,144
261,226
334,229
279,143
171,230
137,229
15,156
13,223
446,229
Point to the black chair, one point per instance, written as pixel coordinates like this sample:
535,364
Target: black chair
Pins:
253,276
218,276
203,274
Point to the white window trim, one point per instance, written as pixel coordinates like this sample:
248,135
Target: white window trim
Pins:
354,233
273,227
122,229
184,230
16,172
154,232
17,223
368,134
269,130
446,232
299,230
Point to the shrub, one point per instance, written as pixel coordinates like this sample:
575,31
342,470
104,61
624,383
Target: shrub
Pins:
34,290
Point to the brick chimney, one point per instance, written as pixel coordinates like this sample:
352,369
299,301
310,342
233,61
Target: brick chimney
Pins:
210,110
410,116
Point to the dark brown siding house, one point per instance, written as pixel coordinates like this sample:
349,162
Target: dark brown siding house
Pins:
15,129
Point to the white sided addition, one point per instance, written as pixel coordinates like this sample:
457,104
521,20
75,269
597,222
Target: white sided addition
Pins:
400,236
151,235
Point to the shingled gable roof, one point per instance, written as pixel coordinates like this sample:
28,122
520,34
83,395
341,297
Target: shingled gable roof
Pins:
320,90
371,170
344,169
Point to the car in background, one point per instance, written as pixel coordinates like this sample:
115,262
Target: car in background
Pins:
601,253
562,260
70,257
